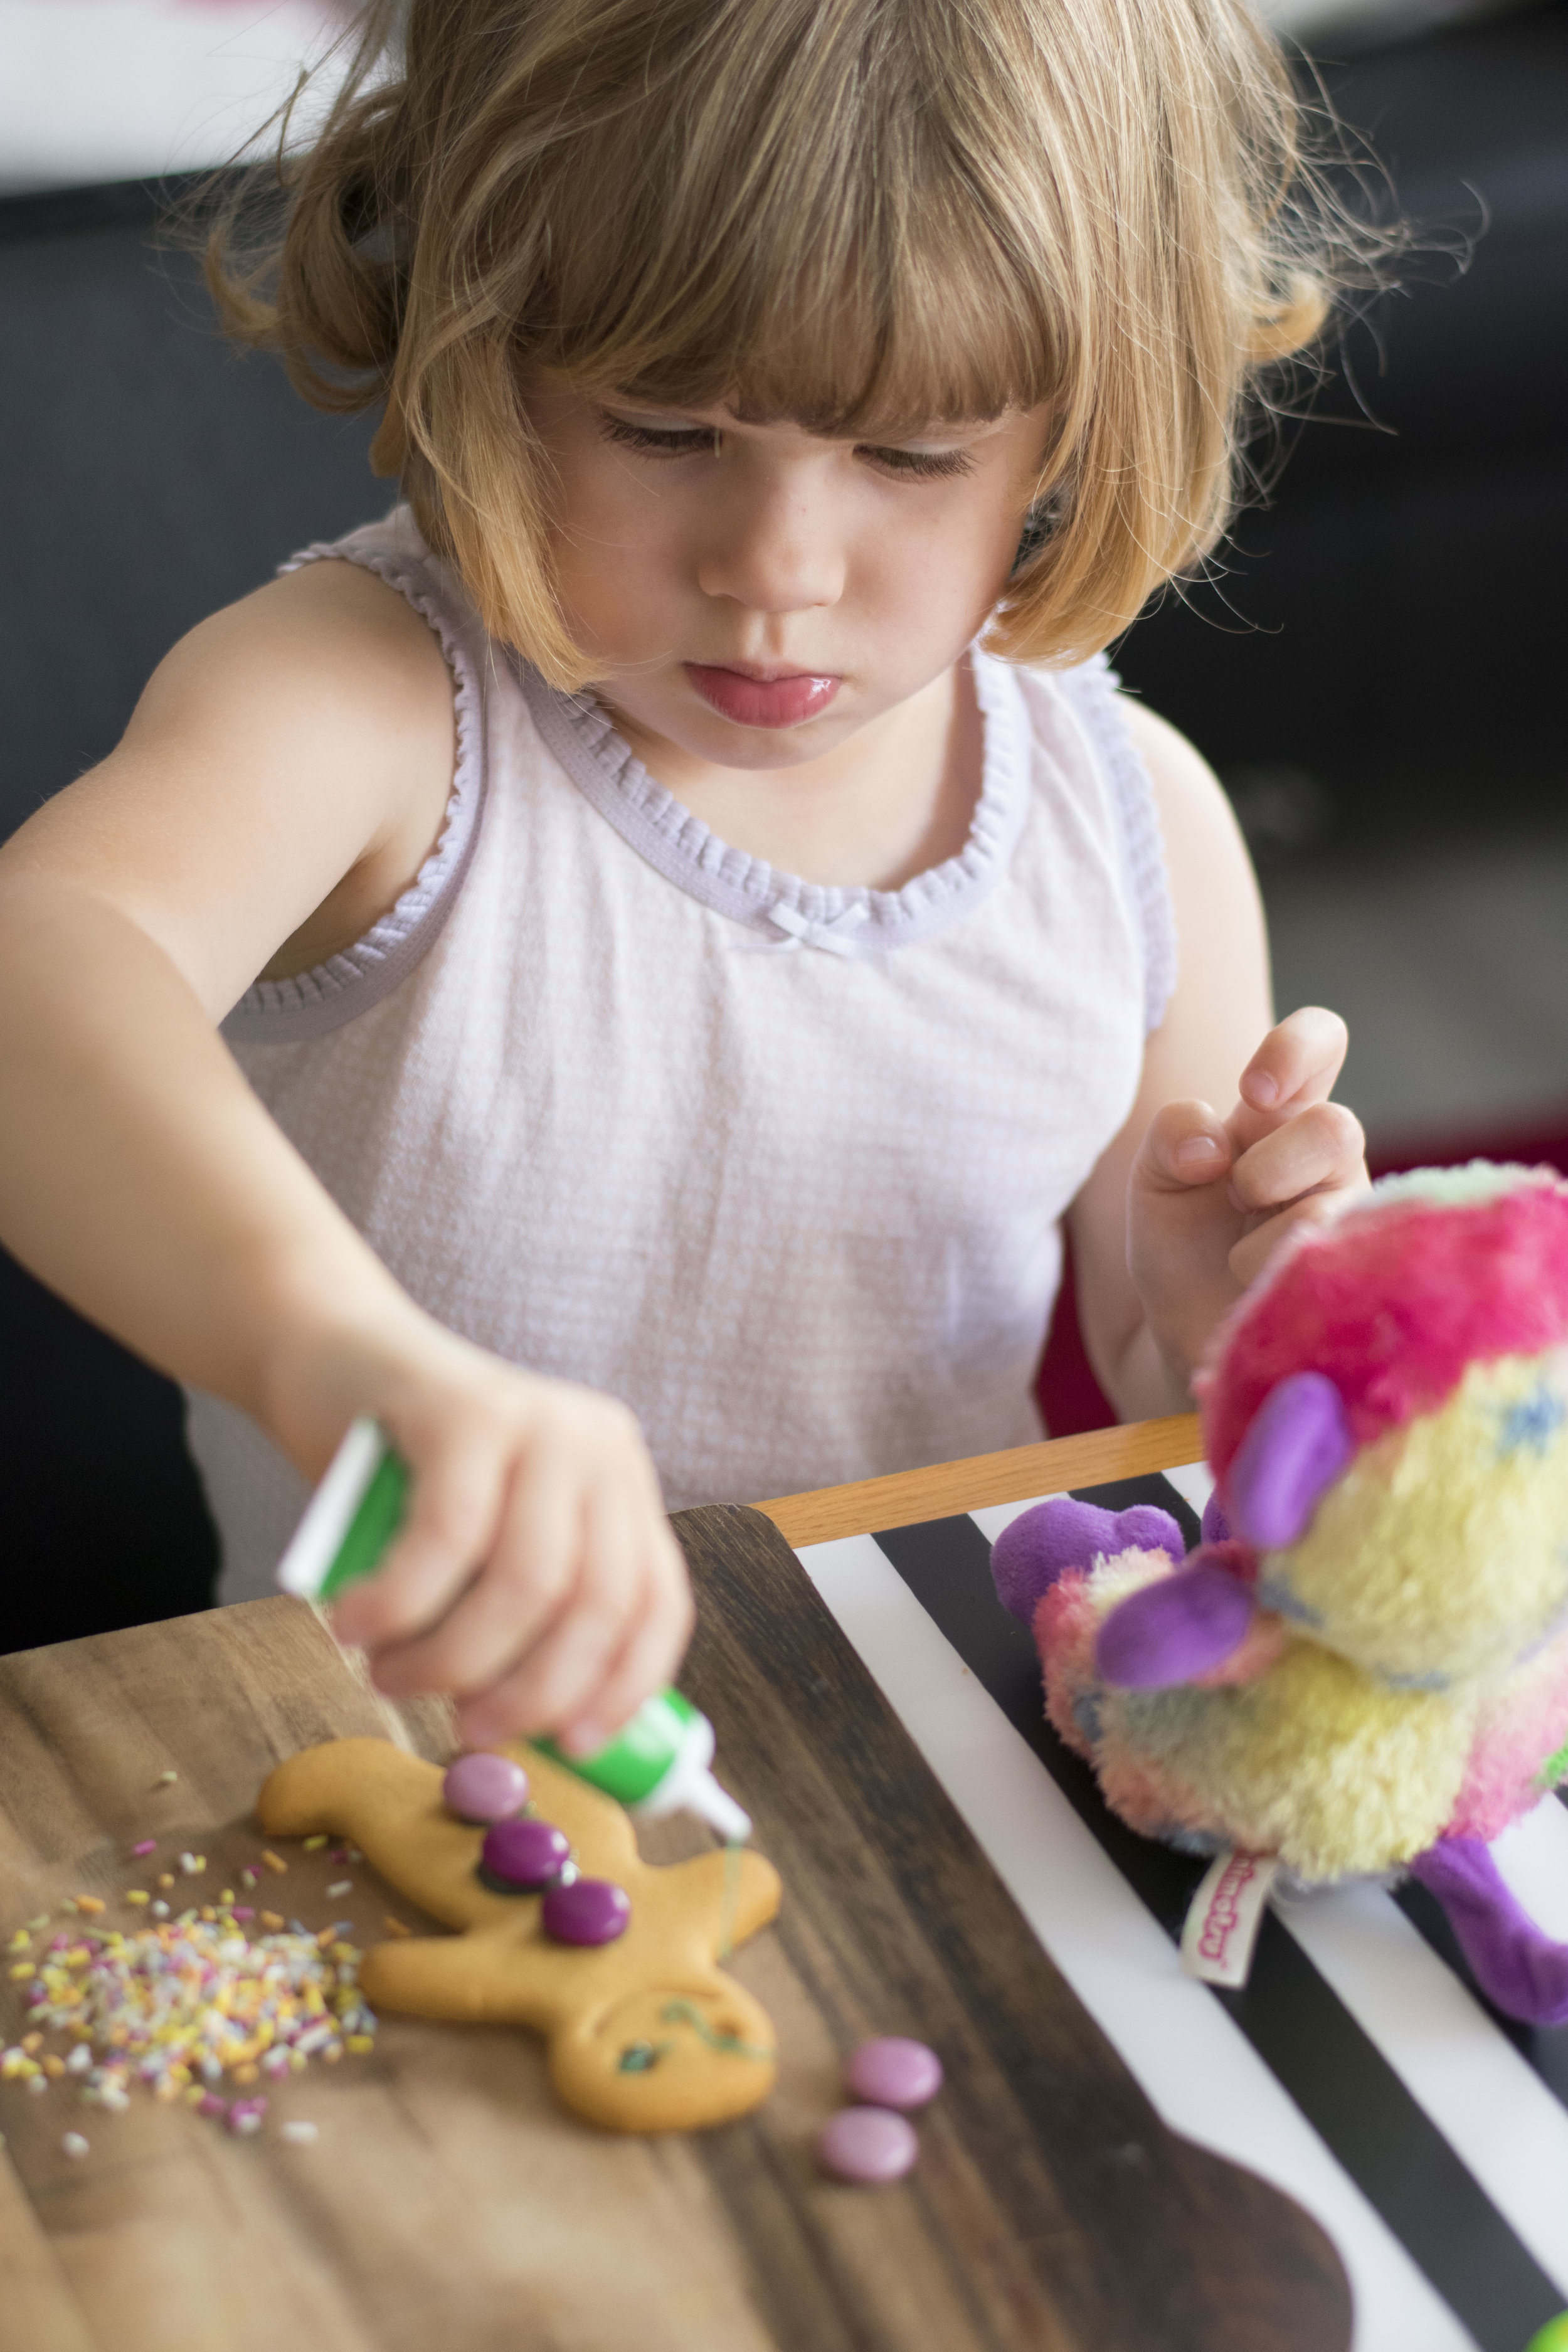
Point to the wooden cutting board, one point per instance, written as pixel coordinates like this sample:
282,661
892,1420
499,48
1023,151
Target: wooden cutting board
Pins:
448,2201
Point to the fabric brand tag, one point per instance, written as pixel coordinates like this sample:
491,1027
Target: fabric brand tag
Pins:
1224,1916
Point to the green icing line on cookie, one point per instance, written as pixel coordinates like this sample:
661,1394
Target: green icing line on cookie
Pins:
686,2013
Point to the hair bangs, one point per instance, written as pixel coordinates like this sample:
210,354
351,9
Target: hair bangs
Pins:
841,278
869,217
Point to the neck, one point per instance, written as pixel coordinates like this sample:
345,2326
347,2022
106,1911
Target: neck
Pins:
894,799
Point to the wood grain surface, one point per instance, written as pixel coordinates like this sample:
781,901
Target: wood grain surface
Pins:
448,2202
1051,1468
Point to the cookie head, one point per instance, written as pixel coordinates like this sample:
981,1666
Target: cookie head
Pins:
667,2058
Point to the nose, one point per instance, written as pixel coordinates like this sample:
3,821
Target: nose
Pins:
773,546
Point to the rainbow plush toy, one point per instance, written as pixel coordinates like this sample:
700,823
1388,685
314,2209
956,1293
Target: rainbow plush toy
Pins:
1364,1667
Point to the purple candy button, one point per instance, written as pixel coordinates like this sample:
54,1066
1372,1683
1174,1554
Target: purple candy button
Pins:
893,2072
524,1853
483,1788
589,1911
868,2145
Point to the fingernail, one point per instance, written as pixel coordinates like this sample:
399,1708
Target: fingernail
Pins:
585,1739
1263,1089
1197,1151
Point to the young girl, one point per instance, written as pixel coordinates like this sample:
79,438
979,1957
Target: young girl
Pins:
665,929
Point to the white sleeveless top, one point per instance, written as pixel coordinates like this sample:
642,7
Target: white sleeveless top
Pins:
781,1166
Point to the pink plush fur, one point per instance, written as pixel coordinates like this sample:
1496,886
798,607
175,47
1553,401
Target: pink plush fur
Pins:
1518,1736
1393,1303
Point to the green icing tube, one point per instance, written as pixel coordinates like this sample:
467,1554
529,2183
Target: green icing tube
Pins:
658,1763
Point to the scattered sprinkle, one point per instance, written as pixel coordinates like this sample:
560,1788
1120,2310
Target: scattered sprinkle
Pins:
20,1942
20,1968
180,2007
165,1878
160,1910
272,1921
247,1877
227,1897
338,1886
165,1780
193,1865
68,1903
244,1911
273,1861
41,1921
74,2146
92,1904
300,2134
396,1926
144,1845
314,1845
354,1854
138,1895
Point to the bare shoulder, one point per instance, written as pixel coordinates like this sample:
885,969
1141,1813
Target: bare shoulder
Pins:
1210,872
331,632
282,780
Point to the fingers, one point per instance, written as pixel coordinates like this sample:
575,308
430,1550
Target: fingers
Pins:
1253,1252
453,1515
532,1567
537,1580
1187,1144
1296,1063
1318,1151
584,1679
649,1658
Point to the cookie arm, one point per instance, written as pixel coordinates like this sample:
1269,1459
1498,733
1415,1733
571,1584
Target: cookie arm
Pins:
734,1892
447,1976
347,1786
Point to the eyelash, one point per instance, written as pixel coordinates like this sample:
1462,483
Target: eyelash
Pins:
930,465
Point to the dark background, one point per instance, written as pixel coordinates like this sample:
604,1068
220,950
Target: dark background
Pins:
1375,655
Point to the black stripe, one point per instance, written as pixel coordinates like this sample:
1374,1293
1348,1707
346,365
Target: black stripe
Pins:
1292,2017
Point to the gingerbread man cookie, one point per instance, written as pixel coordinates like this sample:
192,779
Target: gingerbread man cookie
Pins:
645,2033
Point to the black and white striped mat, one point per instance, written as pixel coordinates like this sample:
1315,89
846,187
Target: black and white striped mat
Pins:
1359,2069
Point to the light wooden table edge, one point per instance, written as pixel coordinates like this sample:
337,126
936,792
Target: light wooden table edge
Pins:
949,1488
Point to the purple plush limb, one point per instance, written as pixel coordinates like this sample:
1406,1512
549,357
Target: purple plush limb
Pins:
1038,1546
1296,1445
1173,1631
1515,1964
1214,1528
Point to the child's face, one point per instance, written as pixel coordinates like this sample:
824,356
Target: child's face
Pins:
753,594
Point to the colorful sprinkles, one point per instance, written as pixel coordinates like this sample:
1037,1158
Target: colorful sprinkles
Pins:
189,2006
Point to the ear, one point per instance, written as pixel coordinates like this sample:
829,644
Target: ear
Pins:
1174,1631
1296,1445
1040,1545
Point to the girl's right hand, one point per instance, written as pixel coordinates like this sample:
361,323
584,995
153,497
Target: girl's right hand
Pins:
535,1580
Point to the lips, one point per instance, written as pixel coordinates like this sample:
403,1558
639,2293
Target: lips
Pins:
750,701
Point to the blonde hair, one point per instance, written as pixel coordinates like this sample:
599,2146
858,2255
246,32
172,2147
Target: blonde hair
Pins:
867,215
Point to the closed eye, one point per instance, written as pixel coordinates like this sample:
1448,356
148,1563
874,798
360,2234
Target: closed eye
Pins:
690,441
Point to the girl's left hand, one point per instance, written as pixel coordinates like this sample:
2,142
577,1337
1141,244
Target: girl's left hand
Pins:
1210,1199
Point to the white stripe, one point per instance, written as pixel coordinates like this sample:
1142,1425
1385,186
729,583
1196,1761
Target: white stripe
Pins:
1202,2075
1488,2103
